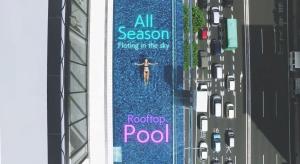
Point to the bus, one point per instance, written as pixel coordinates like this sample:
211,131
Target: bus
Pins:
231,42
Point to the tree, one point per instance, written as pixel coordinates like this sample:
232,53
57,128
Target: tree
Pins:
198,18
185,19
186,53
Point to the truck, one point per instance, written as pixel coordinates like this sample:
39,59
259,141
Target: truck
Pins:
201,97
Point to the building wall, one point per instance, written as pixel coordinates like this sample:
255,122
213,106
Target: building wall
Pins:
23,82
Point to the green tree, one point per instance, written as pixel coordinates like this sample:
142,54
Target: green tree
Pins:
186,49
198,18
185,19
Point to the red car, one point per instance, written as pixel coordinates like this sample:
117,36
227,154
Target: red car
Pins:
204,33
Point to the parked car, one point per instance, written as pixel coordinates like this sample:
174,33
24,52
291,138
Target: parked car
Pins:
229,161
216,142
230,82
203,150
229,109
202,59
215,16
227,3
217,71
215,47
217,105
229,138
202,3
204,31
203,123
215,161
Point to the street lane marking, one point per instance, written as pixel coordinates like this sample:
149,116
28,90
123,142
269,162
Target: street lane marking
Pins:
262,41
263,156
222,108
276,158
275,44
276,104
234,94
222,159
235,159
208,107
263,103
208,160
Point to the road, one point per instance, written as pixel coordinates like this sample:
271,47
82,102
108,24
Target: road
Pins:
269,83
233,64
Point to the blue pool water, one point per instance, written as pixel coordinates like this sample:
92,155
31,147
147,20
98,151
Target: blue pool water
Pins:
161,96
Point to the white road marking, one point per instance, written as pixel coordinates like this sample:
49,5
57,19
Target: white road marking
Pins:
247,53
276,158
233,67
262,41
234,94
231,8
276,104
222,159
263,103
263,158
275,44
235,159
208,107
233,58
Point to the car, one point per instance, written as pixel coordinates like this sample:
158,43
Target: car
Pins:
202,4
203,123
215,47
215,16
221,34
204,31
217,105
216,142
203,150
227,3
229,138
229,161
215,161
229,109
217,71
230,82
203,59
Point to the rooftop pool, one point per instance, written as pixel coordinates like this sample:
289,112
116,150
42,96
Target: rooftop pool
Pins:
147,119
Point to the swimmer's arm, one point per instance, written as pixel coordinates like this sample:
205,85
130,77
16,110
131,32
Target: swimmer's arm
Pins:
138,64
153,63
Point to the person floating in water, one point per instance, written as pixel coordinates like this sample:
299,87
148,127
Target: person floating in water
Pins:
146,65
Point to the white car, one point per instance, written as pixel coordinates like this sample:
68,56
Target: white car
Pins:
204,123
229,108
203,151
215,16
230,84
217,105
218,71
230,138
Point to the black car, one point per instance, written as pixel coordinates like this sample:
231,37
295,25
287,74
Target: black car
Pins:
215,161
227,3
215,47
202,4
